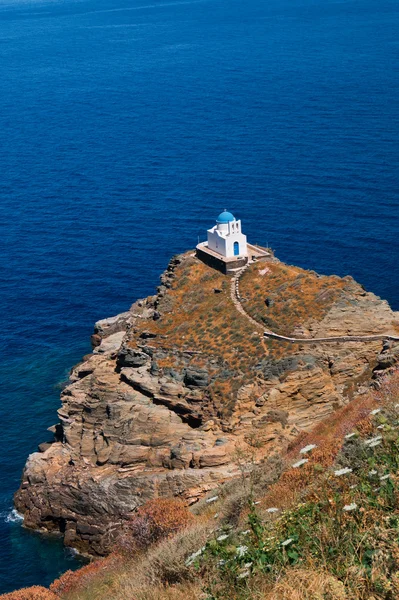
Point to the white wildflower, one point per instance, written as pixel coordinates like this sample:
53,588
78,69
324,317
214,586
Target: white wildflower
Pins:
307,449
349,507
375,411
287,542
272,510
243,575
353,487
343,471
384,477
245,532
221,563
222,537
375,443
247,565
381,426
372,472
350,435
241,550
192,558
371,441
300,463
213,499
215,516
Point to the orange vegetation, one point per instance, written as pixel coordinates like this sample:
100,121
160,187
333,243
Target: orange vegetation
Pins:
206,324
284,297
158,519
153,521
32,593
328,436
200,318
80,579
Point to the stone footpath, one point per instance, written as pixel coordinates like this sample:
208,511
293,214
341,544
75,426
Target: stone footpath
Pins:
237,301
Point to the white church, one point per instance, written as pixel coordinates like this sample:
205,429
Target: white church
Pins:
226,248
226,238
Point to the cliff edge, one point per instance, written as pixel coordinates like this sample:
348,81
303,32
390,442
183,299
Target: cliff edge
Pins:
178,383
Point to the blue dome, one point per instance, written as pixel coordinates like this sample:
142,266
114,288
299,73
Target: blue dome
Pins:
225,217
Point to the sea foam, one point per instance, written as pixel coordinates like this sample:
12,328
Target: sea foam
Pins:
13,516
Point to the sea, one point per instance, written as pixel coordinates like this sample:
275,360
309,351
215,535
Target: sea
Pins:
126,126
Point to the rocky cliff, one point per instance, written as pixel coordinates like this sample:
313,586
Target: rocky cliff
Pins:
183,379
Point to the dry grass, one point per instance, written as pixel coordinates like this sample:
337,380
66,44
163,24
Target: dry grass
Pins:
156,519
275,483
328,436
158,573
285,297
199,318
300,584
86,577
207,323
32,593
165,564
184,591
296,584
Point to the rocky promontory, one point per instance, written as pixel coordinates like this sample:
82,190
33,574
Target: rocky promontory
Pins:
181,381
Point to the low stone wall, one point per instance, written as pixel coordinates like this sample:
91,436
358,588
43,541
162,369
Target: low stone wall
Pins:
220,265
339,338
236,298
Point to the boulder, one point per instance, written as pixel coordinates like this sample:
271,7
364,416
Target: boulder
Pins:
196,377
111,325
132,357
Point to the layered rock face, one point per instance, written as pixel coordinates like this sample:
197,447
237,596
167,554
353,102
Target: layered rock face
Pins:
177,384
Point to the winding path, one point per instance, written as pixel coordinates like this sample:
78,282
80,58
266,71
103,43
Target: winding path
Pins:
236,298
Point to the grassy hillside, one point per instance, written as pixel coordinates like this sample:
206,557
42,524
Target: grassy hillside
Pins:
320,523
284,297
200,324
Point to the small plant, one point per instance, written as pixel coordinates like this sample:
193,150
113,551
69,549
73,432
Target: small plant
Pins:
157,519
253,439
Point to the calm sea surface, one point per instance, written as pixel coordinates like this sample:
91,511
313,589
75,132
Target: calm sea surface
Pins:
127,125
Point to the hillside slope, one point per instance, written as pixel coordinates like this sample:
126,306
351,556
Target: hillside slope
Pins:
182,382
320,522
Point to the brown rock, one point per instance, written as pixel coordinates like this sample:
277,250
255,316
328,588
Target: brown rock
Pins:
142,420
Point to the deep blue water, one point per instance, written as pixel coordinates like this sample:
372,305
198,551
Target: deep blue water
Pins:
127,125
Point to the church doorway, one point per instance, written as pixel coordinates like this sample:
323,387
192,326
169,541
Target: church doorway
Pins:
236,249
